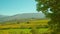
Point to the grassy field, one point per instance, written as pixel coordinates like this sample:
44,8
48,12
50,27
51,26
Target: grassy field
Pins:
22,31
23,28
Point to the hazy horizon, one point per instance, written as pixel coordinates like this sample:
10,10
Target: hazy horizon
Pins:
21,13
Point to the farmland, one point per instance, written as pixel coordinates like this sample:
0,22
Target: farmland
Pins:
20,31
25,28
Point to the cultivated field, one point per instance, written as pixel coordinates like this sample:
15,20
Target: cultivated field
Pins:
40,27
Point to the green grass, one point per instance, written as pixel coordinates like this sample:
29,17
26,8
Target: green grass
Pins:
14,31
21,31
12,28
43,30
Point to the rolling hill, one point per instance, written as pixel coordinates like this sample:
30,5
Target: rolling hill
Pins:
22,16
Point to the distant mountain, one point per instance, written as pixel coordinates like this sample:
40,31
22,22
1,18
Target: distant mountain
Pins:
29,15
2,16
22,16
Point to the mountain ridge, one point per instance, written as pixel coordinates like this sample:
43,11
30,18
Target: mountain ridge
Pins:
22,16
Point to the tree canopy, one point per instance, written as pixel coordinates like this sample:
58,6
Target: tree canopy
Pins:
51,8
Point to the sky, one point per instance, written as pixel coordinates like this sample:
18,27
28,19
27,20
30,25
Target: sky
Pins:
12,7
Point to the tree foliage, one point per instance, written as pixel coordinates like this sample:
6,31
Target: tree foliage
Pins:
51,8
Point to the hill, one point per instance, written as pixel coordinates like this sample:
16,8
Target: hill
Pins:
23,16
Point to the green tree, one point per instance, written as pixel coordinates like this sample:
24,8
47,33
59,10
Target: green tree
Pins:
51,8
